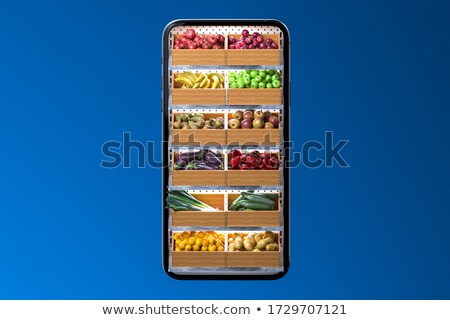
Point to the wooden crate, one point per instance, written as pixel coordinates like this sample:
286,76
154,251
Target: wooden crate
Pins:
266,137
202,218
198,259
196,96
248,259
199,137
266,57
251,96
269,218
198,57
198,177
253,177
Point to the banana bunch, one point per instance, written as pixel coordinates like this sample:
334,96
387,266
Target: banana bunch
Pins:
192,80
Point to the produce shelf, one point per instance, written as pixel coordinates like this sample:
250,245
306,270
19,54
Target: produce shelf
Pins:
219,188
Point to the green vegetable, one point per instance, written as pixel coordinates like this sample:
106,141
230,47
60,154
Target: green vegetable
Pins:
255,205
255,197
183,201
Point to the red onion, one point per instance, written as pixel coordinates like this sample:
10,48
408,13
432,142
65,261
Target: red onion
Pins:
259,39
245,32
231,39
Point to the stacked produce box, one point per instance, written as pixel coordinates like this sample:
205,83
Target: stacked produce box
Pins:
225,189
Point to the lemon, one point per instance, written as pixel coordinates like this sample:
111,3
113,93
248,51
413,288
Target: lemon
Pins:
195,247
201,234
220,248
204,248
188,247
212,248
177,249
205,242
198,242
182,245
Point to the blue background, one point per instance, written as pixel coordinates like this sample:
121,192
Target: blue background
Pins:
76,74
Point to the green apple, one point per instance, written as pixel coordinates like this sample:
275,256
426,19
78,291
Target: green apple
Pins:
268,78
275,77
233,85
247,81
269,86
254,84
270,72
276,83
262,84
241,73
258,78
262,74
241,85
231,79
231,74
253,73
247,76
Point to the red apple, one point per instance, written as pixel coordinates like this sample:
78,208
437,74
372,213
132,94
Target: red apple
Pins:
245,32
269,40
259,38
231,39
190,33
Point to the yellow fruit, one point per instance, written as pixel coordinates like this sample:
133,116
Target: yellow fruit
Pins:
205,242
177,242
204,248
176,236
218,243
177,249
212,240
188,247
198,242
192,233
195,247
220,248
212,248
182,245
222,239
191,241
201,234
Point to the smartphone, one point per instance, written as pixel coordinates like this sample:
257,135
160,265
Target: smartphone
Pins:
225,114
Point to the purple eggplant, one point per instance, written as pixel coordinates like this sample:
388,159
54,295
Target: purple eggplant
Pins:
202,165
213,159
189,156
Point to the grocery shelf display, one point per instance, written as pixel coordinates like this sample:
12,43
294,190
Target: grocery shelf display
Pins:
226,120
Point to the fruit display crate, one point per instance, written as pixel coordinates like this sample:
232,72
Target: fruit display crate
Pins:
201,136
247,97
226,259
227,56
225,217
240,57
196,96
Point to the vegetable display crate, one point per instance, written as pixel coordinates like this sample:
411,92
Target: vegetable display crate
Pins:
257,218
252,259
250,96
198,177
199,136
263,259
198,57
198,96
202,218
198,259
265,57
267,137
253,177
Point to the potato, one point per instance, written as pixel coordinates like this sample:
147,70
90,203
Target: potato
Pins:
239,244
237,238
248,245
258,238
231,247
261,244
230,240
269,240
272,247
251,240
269,234
256,250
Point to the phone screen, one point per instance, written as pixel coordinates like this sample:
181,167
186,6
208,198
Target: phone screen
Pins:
225,136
